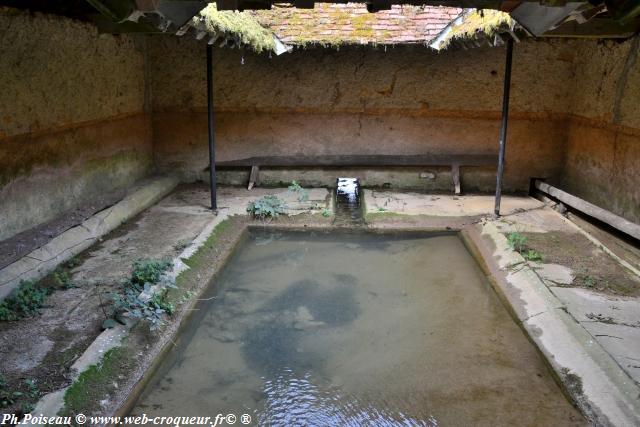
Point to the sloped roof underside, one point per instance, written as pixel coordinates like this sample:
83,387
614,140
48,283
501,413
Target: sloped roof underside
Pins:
339,24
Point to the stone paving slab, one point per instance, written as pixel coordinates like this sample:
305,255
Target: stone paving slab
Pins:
621,342
589,306
443,205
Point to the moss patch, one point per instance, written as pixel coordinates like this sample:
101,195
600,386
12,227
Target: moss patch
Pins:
486,22
239,24
202,253
98,382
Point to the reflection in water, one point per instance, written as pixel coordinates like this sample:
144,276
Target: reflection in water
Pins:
291,400
355,330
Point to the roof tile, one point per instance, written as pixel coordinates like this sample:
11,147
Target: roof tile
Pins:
350,23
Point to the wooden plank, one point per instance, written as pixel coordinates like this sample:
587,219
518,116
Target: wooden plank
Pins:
590,209
365,160
455,175
254,176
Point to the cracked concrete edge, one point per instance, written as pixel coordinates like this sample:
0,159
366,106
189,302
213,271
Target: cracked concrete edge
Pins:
45,259
608,396
51,404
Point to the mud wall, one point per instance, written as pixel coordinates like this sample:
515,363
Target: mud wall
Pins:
402,100
602,161
72,120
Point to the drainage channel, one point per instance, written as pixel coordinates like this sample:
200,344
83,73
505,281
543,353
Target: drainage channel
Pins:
348,207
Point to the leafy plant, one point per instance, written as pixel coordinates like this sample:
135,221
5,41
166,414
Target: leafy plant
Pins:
144,275
148,271
72,263
7,397
24,301
589,281
326,213
267,207
32,388
303,195
532,255
516,241
381,209
62,279
152,310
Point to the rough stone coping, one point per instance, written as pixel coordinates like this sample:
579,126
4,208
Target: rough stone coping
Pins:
609,396
45,259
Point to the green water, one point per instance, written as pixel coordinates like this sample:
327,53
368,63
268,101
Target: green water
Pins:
355,329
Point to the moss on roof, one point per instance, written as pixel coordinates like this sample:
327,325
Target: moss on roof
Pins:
242,25
333,25
487,22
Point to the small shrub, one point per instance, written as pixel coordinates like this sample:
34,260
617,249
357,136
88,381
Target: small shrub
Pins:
7,397
148,271
303,195
267,207
532,255
145,274
151,310
326,213
72,263
32,388
516,241
24,301
62,279
589,281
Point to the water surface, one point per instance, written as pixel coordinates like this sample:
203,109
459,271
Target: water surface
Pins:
355,329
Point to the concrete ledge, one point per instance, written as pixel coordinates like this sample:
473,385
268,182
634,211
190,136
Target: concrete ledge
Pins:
601,388
45,259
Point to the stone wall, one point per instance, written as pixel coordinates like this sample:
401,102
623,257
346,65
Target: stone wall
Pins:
402,100
72,119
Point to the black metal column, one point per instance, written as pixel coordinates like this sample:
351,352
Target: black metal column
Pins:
503,128
212,142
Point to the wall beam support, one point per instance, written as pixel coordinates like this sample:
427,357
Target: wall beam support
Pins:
212,142
503,127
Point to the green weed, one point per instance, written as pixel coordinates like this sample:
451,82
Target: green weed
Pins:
144,275
303,195
62,279
32,388
516,241
532,255
7,397
267,207
148,271
24,301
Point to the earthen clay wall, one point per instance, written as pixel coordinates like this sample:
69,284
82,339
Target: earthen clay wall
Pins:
602,161
402,100
78,117
72,121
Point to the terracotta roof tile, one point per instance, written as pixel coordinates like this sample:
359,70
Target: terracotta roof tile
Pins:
350,23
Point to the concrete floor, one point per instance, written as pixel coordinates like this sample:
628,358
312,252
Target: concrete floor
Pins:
549,298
